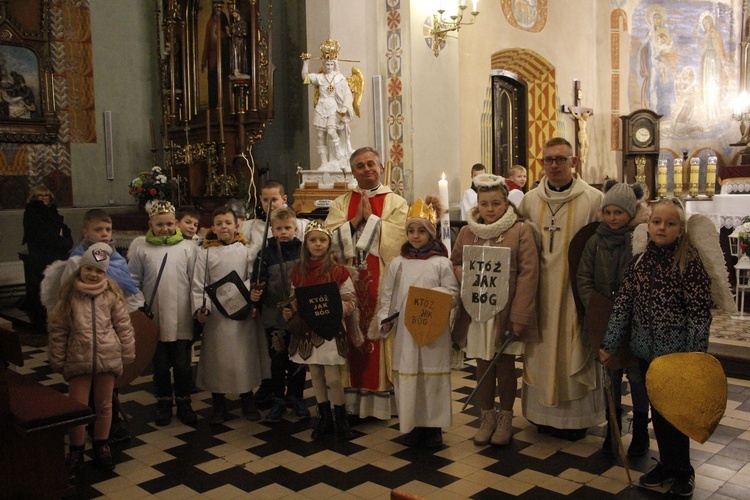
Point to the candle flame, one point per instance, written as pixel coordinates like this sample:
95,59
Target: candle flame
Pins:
443,175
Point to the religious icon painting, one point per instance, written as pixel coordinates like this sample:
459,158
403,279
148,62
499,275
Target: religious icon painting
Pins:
527,15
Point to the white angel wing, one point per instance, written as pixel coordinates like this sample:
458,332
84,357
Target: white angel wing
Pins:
640,238
51,283
702,235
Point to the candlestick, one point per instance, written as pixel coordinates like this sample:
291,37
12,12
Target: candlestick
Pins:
208,125
677,167
711,176
695,174
662,178
153,138
445,220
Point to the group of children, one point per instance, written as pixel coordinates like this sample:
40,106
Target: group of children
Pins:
173,275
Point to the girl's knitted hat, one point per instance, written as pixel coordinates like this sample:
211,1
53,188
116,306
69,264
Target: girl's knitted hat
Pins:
621,195
97,256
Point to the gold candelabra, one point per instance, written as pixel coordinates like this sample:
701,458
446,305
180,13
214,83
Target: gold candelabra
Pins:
442,24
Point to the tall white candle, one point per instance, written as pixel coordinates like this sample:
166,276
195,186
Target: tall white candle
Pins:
445,220
443,191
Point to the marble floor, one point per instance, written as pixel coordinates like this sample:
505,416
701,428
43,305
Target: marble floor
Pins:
242,459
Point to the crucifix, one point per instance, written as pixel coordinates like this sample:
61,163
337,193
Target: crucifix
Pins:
580,114
552,228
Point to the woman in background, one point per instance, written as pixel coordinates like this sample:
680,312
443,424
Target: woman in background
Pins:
48,239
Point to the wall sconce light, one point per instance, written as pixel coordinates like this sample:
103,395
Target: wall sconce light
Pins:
443,24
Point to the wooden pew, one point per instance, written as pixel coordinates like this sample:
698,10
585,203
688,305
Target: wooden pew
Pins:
33,422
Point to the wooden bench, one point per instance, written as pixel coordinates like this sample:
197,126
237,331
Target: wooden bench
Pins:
33,422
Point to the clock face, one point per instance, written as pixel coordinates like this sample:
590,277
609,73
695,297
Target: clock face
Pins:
642,136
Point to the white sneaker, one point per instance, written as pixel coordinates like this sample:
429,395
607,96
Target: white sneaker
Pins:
486,427
504,428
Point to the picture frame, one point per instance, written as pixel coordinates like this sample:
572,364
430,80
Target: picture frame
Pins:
27,105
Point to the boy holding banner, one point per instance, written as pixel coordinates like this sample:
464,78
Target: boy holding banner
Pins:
233,343
416,296
497,260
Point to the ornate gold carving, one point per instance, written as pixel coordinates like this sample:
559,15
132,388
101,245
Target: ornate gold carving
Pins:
640,174
256,134
263,88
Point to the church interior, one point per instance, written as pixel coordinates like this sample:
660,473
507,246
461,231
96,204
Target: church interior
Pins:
653,92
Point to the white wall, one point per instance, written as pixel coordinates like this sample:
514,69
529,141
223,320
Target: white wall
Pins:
432,86
571,42
356,25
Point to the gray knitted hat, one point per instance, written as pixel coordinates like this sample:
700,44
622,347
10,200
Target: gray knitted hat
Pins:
97,256
621,195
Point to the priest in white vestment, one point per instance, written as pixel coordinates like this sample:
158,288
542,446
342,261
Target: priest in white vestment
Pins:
562,391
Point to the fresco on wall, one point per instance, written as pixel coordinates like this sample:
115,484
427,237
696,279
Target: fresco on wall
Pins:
527,15
683,65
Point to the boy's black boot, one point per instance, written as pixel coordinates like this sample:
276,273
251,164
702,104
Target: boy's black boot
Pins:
343,430
249,407
74,459
103,455
640,444
185,411
163,411
432,437
324,427
607,446
219,410
264,397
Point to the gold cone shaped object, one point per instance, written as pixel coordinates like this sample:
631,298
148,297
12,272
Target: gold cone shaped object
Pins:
689,389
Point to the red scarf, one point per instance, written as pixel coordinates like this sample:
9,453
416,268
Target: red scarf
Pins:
512,185
337,273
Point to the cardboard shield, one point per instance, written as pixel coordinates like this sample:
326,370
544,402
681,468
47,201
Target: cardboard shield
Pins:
426,314
146,337
320,307
484,289
230,296
689,389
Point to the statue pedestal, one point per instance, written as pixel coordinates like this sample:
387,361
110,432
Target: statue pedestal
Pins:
325,179
308,200
319,188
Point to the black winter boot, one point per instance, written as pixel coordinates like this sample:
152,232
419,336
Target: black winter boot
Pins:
219,412
343,430
640,444
432,437
163,412
74,459
103,455
249,408
608,447
185,411
324,427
